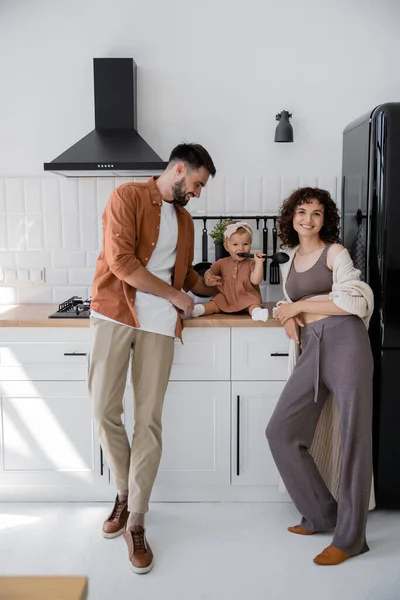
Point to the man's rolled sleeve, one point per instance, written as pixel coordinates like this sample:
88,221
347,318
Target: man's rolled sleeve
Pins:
192,277
119,237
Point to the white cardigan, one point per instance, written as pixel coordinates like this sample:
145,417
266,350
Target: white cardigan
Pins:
356,297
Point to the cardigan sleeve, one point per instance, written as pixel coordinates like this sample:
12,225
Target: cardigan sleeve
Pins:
348,292
354,297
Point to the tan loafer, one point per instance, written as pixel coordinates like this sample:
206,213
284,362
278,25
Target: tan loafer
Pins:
331,556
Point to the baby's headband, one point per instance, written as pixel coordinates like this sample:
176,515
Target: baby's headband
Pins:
233,227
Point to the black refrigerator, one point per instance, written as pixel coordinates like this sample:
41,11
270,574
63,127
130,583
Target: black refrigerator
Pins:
371,232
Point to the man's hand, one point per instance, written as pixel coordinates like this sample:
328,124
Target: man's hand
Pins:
211,280
183,302
292,328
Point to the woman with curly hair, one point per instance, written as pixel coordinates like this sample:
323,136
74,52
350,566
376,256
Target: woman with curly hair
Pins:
325,313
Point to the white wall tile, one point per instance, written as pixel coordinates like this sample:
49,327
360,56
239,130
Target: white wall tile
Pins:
89,231
52,231
8,295
33,195
87,195
81,277
92,258
253,195
309,181
34,294
271,195
69,195
69,259
70,231
14,195
16,232
99,232
51,195
60,294
7,259
331,185
105,187
34,232
52,213
216,196
198,206
3,208
288,186
121,180
234,195
59,225
3,232
56,277
32,258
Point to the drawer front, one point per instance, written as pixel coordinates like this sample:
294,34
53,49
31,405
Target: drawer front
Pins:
259,354
44,361
204,355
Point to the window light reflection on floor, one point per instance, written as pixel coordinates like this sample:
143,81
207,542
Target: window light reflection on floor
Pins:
8,521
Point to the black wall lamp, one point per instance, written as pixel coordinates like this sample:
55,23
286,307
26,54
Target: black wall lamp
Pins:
284,130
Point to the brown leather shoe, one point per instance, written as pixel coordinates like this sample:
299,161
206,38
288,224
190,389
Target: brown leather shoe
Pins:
140,553
114,525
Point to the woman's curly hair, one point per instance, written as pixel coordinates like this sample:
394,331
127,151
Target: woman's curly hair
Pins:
330,230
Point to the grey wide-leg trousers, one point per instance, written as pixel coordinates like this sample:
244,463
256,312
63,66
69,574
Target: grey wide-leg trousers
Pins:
336,358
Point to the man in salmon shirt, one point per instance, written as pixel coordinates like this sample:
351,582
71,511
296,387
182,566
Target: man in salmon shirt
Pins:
137,302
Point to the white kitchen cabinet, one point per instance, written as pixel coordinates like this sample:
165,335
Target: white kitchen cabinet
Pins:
196,434
48,447
259,354
44,361
204,355
47,439
252,406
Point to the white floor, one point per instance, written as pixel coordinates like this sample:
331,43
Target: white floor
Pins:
202,552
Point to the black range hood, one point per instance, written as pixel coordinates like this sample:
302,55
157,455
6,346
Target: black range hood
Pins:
114,147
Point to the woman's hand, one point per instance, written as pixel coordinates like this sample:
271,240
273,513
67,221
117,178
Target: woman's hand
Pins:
292,328
211,280
288,311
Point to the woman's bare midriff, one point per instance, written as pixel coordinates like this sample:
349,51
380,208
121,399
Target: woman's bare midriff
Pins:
311,317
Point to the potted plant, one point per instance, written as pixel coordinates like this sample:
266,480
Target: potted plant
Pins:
217,235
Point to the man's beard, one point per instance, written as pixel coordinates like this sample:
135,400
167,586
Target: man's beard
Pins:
179,192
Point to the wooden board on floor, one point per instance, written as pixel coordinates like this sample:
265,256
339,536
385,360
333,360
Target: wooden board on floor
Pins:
43,588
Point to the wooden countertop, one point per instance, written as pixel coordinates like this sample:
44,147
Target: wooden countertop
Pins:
36,315
43,588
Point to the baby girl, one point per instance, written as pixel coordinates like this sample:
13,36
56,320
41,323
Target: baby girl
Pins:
237,277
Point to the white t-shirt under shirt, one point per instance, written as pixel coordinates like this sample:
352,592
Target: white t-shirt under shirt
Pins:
157,314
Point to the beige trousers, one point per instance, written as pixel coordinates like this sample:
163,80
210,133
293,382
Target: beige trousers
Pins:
135,467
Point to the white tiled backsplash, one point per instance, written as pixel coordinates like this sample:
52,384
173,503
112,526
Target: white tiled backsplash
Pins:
55,224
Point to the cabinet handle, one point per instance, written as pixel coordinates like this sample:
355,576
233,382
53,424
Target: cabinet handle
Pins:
279,354
75,353
238,435
101,461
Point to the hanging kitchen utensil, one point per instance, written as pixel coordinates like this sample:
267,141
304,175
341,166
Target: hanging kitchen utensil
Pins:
265,248
279,257
203,266
274,277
